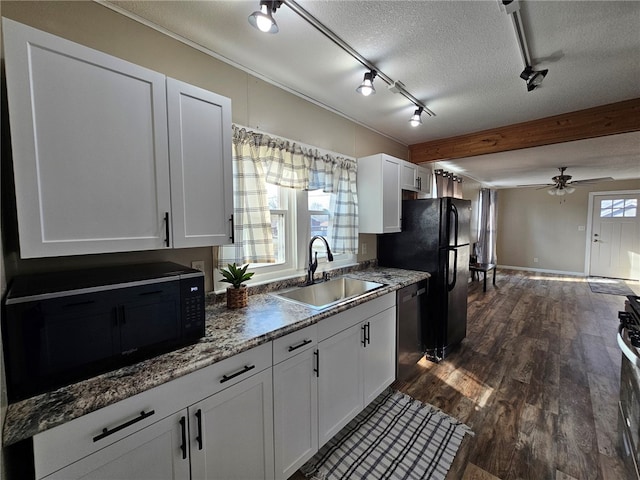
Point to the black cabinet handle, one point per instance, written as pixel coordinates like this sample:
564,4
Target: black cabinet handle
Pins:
364,335
245,369
367,332
106,432
300,345
199,437
183,445
233,233
166,228
317,367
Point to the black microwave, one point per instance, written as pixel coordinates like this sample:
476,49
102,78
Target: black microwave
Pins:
63,327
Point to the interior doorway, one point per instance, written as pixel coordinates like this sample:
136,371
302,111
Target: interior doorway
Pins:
613,245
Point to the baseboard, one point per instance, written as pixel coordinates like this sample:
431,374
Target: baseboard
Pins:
543,270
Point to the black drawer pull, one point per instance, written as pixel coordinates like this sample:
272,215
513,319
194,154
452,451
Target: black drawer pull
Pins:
106,432
300,345
245,369
316,369
199,437
183,445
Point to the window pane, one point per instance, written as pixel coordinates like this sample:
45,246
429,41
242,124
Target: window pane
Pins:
630,207
273,196
605,212
319,200
319,225
278,231
606,204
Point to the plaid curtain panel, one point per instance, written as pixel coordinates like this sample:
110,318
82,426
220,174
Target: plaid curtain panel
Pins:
338,176
252,219
259,159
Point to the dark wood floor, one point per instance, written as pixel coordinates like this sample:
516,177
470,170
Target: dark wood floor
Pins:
537,380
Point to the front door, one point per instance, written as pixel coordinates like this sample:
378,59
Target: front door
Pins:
615,236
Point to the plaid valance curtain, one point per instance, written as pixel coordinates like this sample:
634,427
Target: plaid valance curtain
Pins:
259,159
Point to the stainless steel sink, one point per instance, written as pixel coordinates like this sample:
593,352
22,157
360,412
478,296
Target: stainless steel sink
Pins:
327,294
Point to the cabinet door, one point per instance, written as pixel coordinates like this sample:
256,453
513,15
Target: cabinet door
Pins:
409,176
379,354
295,401
200,159
339,382
236,432
90,150
154,452
391,195
424,180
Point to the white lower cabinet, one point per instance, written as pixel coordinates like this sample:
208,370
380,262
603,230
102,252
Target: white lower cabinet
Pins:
356,364
232,432
379,354
340,381
153,452
295,401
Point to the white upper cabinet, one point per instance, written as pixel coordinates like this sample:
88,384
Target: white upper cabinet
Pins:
90,152
424,180
200,160
90,143
379,194
409,176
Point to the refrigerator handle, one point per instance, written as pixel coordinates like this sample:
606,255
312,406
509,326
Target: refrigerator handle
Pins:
451,286
454,210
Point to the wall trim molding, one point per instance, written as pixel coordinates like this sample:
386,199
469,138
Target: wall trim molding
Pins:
543,270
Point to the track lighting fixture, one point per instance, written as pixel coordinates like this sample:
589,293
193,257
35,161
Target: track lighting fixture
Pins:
416,118
533,77
366,87
263,19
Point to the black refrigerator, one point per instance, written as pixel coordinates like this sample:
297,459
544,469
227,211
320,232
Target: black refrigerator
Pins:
435,239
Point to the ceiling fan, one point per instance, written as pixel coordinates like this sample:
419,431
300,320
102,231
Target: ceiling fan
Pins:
562,184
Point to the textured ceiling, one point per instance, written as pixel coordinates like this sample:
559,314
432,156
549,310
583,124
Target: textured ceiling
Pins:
458,57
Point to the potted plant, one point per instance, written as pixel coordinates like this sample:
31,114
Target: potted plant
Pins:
237,293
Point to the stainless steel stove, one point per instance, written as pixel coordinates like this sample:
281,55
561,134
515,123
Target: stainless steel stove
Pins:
629,405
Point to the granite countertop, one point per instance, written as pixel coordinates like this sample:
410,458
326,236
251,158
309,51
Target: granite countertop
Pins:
228,332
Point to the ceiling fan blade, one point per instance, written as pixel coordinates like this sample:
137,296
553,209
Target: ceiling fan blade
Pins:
539,185
590,181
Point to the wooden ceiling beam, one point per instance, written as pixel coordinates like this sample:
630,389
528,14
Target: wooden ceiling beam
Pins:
611,119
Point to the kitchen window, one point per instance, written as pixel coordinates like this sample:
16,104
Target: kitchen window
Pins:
296,216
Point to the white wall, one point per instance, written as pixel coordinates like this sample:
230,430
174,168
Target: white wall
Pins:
533,224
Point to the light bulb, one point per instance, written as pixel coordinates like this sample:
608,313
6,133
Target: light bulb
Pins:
366,87
560,192
551,191
570,189
416,118
264,21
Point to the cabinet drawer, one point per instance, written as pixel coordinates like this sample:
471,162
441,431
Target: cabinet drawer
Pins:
60,446
335,324
294,343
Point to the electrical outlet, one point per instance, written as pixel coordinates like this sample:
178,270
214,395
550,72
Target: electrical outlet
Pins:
198,265
535,259
363,247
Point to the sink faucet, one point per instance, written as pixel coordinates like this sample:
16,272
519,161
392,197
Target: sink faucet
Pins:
313,265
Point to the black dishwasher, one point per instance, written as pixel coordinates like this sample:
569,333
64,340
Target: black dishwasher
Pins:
410,312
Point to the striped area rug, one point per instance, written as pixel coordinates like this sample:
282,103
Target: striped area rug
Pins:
396,437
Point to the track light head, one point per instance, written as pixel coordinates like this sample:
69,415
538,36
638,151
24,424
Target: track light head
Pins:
263,19
533,77
366,88
416,118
